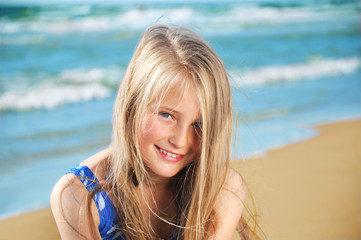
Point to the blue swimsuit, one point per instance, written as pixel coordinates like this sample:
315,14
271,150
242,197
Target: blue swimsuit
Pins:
109,227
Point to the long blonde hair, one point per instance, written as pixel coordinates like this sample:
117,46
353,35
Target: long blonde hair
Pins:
162,57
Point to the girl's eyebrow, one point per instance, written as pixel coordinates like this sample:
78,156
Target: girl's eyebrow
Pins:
170,109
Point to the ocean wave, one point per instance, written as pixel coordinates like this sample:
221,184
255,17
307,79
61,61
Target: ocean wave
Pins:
76,85
108,76
51,91
287,73
132,19
49,96
272,15
22,40
84,19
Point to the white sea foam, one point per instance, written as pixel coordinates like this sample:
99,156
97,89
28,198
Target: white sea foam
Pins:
110,75
128,20
140,18
50,96
311,70
21,40
137,18
79,76
267,14
183,15
271,15
69,86
78,85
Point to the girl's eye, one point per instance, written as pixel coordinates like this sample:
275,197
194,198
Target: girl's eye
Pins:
166,115
197,124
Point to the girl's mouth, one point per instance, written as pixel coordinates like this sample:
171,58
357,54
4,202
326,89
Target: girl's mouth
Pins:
169,156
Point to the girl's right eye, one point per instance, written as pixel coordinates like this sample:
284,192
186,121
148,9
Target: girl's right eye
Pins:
166,115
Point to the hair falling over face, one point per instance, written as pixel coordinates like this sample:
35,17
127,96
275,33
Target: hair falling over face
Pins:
168,57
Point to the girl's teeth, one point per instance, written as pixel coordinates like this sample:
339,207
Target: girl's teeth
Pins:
169,154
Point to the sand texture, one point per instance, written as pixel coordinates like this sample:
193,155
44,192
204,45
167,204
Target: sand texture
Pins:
310,190
304,191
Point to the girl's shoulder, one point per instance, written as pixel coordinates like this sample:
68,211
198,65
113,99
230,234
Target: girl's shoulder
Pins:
235,183
97,163
69,181
69,198
229,205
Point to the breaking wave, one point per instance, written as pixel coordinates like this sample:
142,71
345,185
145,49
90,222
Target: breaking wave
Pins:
288,73
77,85
50,96
87,18
70,86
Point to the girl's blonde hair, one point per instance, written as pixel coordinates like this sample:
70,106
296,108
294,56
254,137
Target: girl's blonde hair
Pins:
165,56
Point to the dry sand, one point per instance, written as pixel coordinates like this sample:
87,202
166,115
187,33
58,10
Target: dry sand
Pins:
310,190
38,225
304,191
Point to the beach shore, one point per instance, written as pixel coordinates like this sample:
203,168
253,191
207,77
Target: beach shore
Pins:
307,190
312,189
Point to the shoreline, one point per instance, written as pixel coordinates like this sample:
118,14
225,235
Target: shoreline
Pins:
312,129
20,213
310,189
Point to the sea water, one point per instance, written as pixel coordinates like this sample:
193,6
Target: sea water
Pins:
292,64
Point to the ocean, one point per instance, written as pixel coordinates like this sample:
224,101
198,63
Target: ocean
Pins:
292,64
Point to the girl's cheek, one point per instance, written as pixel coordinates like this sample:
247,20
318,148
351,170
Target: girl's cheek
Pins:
152,130
147,124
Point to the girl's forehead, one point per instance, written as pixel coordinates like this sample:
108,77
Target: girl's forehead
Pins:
180,98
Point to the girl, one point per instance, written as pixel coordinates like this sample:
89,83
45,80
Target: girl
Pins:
166,174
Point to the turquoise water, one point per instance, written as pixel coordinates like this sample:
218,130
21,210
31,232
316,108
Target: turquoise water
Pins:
292,65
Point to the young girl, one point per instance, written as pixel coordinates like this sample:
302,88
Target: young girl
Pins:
166,174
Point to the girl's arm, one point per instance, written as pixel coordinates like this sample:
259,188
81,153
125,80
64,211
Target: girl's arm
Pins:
229,206
69,206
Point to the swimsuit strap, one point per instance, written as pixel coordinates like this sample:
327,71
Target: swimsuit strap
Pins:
109,228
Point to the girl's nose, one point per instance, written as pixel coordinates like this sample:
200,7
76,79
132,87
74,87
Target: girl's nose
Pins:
179,137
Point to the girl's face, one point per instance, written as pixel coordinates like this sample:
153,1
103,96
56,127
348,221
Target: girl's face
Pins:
170,138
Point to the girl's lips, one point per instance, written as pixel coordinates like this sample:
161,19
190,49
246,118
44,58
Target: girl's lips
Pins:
171,158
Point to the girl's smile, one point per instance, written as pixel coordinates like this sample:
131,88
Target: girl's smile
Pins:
171,134
167,155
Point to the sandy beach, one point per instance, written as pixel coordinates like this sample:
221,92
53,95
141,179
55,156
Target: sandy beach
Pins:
310,190
307,190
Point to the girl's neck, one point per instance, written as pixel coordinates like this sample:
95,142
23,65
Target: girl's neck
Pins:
159,204
158,192
157,182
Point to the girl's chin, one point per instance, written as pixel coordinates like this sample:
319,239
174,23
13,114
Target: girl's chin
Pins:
162,173
166,174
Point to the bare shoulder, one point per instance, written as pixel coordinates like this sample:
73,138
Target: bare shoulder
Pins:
233,191
68,200
229,205
235,183
70,203
69,187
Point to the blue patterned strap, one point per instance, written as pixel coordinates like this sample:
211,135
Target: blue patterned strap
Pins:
108,227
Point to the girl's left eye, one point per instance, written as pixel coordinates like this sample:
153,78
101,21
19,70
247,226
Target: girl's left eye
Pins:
197,124
166,115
